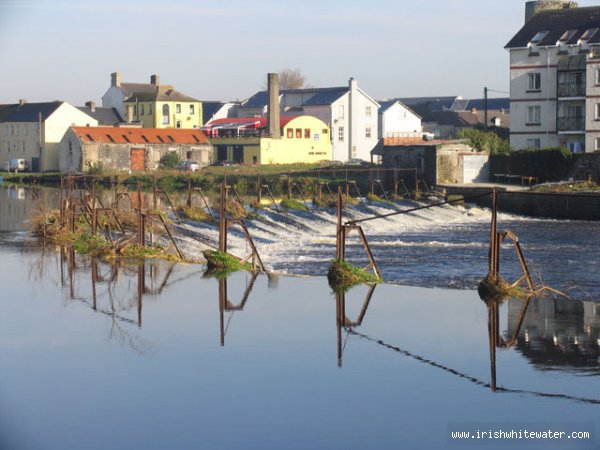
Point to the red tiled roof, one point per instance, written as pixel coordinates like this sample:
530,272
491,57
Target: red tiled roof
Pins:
118,135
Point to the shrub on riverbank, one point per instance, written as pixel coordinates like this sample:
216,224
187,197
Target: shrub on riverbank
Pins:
343,275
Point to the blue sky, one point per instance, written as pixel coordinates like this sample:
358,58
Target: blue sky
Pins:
66,49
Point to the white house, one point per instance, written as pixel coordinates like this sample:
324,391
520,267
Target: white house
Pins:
555,78
398,120
351,114
33,131
119,91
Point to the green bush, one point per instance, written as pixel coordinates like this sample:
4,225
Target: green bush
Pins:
485,141
170,160
547,164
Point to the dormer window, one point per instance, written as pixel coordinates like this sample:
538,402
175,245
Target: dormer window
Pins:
538,37
589,34
566,37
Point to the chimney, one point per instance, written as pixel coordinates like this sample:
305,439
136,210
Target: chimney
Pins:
22,101
474,110
155,80
534,7
129,113
115,79
273,122
91,105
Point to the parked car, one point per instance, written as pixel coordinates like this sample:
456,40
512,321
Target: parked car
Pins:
357,162
228,163
192,166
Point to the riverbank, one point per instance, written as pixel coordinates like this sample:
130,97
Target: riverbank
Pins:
532,203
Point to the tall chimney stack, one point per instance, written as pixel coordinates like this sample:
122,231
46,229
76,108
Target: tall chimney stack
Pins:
273,122
115,79
92,105
129,113
22,101
155,80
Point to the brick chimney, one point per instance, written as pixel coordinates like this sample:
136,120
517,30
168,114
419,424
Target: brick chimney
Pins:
129,113
155,80
92,105
115,79
22,101
273,120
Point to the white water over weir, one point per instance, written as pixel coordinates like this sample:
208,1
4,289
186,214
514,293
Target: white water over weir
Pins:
443,246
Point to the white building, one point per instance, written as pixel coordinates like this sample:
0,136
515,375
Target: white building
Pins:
555,78
33,131
351,114
398,120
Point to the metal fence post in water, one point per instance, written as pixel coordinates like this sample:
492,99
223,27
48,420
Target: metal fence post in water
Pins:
338,244
493,270
223,221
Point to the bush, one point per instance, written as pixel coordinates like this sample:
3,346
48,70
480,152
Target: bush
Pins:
170,160
485,141
547,164
96,168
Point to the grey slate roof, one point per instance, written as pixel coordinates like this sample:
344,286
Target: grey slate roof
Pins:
30,112
7,110
557,22
384,105
258,100
104,116
326,96
133,88
314,96
162,94
433,103
209,109
479,104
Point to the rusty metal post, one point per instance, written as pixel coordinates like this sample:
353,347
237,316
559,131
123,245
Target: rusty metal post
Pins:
154,199
223,220
416,183
339,313
61,202
289,187
347,190
493,337
94,280
395,183
493,272
94,211
258,190
338,245
319,191
140,217
222,305
141,278
189,193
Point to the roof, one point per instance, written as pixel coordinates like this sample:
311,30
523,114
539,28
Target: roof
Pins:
137,88
119,135
315,96
28,112
433,103
161,94
209,109
104,116
557,23
254,122
451,118
479,104
384,105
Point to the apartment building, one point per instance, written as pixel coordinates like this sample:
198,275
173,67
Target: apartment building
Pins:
555,78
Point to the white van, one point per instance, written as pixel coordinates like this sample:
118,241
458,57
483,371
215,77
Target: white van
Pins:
18,165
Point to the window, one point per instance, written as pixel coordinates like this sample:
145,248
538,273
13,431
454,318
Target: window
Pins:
534,143
192,110
70,147
597,111
368,132
290,133
567,35
316,137
307,133
341,110
589,33
534,115
298,133
165,114
178,109
534,82
597,145
368,111
149,109
178,124
341,134
324,131
597,76
142,110
538,37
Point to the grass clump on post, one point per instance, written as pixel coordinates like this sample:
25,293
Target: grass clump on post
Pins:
224,262
344,275
293,204
455,200
490,289
195,214
377,199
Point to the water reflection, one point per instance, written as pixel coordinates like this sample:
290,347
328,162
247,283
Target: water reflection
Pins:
226,306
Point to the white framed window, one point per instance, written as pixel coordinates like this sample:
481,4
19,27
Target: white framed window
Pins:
150,109
534,81
534,114
341,134
597,115
177,108
368,110
534,143
192,110
165,114
368,132
142,110
597,144
598,76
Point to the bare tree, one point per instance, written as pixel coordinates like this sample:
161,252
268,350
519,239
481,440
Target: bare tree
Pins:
290,79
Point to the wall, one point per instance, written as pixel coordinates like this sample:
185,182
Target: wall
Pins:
155,120
398,119
113,98
19,140
364,115
587,165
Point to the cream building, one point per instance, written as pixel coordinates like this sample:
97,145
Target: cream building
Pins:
33,131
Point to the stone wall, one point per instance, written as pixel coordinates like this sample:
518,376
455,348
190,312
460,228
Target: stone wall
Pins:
587,165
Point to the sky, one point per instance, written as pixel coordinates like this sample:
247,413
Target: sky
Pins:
222,50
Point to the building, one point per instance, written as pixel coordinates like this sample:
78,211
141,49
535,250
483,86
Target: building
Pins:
435,162
154,105
398,120
350,114
555,78
104,116
131,149
33,131
248,140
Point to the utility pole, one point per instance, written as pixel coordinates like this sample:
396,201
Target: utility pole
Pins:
485,107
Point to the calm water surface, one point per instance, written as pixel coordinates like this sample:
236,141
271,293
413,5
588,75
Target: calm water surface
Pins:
158,356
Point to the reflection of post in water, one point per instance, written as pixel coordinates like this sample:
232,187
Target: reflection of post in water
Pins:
342,320
226,305
141,287
71,269
495,340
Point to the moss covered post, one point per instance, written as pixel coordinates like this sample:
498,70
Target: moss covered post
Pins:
339,252
493,272
223,220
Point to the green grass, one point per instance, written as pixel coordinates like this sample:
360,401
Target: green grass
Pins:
293,204
343,275
455,199
497,291
195,214
88,244
224,262
376,199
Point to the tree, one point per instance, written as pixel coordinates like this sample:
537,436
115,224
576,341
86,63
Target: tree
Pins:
290,79
170,160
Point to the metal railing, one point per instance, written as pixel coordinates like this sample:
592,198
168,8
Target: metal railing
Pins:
570,123
571,89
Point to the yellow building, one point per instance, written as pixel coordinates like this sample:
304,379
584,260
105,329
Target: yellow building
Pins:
303,139
164,108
